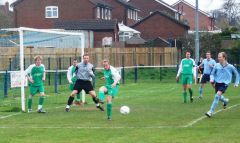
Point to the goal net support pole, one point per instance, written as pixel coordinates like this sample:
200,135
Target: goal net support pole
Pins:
21,41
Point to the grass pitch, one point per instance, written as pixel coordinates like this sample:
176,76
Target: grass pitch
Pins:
158,115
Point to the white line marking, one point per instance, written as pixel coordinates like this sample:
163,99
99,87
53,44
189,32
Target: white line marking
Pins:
109,127
7,116
203,117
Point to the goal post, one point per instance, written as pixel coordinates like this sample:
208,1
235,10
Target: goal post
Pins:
21,31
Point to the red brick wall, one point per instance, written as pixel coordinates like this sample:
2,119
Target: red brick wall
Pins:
159,25
99,35
148,6
31,13
189,15
119,12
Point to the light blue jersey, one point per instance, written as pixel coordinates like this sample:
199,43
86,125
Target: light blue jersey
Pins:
207,65
223,74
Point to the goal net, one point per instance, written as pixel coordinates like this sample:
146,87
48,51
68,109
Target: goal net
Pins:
22,44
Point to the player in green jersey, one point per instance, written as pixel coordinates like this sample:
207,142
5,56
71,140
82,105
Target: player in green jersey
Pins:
188,71
36,75
112,78
72,80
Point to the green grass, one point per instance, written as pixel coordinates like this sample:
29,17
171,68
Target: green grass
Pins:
157,115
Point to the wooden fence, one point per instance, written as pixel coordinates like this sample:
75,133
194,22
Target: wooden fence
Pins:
60,58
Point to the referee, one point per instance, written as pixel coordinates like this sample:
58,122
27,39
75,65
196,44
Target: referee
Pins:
84,74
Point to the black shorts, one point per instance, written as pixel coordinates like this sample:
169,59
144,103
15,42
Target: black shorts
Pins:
205,78
221,87
83,85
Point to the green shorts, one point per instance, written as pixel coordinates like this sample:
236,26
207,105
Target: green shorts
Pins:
112,91
36,89
187,79
71,86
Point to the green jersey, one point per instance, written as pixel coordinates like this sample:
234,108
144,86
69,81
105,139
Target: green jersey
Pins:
36,73
186,67
110,76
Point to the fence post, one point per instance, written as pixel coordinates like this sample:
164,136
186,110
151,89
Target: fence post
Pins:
10,64
6,84
56,82
49,74
160,73
60,67
123,75
135,74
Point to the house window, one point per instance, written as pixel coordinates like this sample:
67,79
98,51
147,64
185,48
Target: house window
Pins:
51,12
106,14
102,13
129,13
136,15
98,12
109,14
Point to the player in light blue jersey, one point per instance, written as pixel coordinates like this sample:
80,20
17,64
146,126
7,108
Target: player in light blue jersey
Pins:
208,65
221,77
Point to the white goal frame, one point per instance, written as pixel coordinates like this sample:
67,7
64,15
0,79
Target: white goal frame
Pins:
21,46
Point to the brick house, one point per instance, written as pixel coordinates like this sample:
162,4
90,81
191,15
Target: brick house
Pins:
159,24
188,15
43,14
149,6
4,11
125,12
100,29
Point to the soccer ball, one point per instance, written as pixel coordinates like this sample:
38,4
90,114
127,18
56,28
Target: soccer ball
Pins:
124,110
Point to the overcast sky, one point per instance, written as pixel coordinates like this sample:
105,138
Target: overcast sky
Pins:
206,5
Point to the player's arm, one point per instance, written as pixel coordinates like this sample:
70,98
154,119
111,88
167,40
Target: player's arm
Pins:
116,77
179,71
212,80
28,72
91,72
44,73
236,76
69,74
194,70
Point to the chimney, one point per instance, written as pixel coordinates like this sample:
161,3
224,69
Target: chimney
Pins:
7,7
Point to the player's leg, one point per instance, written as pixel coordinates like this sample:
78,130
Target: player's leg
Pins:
78,99
220,89
214,104
201,90
30,103
33,91
109,107
101,93
112,92
95,99
184,83
70,99
41,100
189,86
185,93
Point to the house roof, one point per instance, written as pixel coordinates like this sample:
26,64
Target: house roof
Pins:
124,28
16,2
96,2
136,40
193,7
101,3
166,5
163,14
87,25
128,4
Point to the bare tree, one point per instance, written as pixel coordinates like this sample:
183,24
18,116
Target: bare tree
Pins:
232,10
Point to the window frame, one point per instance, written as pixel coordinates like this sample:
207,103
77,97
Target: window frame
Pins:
51,9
